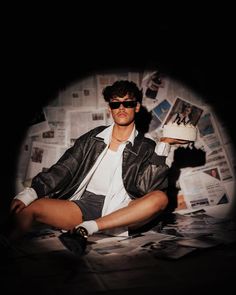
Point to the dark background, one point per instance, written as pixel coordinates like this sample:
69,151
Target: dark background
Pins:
43,52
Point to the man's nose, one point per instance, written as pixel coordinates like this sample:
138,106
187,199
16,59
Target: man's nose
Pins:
121,106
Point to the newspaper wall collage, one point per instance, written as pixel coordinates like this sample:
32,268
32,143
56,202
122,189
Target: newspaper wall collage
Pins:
81,107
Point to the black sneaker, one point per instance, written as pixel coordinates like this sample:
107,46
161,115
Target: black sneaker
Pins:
76,241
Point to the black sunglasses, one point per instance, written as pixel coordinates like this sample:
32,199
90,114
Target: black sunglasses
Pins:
127,104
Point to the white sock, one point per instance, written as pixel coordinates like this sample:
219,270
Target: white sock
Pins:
90,225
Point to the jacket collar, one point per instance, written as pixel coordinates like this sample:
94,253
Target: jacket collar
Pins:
107,132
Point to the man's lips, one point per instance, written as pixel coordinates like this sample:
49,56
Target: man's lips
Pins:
121,115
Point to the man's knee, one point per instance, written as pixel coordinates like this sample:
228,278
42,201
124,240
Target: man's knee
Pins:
34,209
158,199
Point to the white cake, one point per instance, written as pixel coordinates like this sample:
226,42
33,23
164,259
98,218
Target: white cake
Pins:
180,131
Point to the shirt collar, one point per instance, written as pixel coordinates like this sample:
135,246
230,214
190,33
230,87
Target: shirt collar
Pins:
106,134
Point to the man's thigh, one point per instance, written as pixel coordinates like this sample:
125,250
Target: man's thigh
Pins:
62,214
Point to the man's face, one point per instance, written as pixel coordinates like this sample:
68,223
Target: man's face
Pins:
122,115
187,110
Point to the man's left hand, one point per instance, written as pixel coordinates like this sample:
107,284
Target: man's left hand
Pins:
173,141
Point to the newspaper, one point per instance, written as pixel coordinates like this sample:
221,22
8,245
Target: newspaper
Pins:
128,244
79,98
208,131
103,81
81,122
218,158
42,157
23,160
135,77
81,94
203,188
154,86
162,109
56,117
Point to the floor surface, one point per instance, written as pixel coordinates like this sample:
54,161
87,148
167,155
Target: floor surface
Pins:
189,255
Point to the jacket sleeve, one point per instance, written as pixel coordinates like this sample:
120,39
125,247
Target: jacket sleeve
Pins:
59,174
153,175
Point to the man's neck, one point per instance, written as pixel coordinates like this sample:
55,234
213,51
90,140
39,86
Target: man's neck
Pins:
122,133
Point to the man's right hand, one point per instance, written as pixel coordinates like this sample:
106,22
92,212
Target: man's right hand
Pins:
17,206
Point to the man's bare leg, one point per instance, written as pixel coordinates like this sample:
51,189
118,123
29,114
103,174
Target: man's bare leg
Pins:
62,214
137,211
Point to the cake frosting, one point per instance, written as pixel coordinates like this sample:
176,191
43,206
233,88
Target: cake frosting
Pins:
180,131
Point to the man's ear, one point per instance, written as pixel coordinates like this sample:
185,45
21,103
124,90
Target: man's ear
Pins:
137,108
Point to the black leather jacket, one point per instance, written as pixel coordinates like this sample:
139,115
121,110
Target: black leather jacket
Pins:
142,170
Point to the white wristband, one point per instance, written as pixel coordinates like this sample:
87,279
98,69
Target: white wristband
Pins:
162,148
27,196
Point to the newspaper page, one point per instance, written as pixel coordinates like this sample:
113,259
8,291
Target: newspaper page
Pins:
218,158
102,82
231,152
81,94
88,93
85,97
203,188
128,244
56,117
81,122
135,77
70,98
42,157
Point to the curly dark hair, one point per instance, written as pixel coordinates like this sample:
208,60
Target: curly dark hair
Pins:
122,88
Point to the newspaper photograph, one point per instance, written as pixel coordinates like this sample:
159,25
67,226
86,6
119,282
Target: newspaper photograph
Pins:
155,86
181,203
162,109
184,112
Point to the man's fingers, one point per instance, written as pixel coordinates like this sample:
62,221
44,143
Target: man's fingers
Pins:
17,206
13,206
174,140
